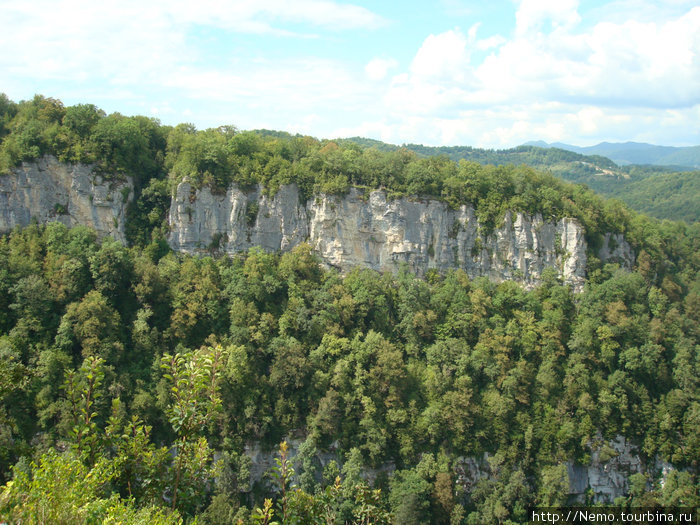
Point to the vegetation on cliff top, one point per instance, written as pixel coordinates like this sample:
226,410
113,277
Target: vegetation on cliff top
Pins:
662,192
158,157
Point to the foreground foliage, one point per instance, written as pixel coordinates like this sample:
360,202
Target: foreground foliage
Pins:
132,379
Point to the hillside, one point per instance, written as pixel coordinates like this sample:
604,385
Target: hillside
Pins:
624,153
662,192
210,364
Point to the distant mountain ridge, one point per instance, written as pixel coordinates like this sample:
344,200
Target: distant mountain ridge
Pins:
623,153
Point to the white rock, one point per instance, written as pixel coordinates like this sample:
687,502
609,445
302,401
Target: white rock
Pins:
371,231
50,191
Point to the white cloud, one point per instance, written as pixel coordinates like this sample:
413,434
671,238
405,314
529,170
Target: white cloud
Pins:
561,78
132,41
532,15
377,68
299,95
490,42
279,87
441,55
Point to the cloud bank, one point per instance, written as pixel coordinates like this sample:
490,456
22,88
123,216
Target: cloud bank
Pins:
629,70
553,80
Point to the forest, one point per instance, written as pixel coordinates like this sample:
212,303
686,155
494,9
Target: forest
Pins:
134,380
663,192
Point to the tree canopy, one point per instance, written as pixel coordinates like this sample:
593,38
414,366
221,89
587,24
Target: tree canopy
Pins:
133,380
204,356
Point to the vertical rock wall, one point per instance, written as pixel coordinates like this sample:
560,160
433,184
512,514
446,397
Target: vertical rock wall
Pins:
427,234
356,229
52,191
603,480
382,234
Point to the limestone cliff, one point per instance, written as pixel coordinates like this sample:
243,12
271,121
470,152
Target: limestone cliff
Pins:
235,221
605,478
376,232
357,229
48,191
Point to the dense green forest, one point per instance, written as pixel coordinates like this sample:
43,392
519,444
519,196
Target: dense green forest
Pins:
114,356
624,153
132,378
662,192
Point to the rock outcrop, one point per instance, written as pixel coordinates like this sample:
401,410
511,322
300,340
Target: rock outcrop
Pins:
426,234
602,480
606,477
262,461
48,191
235,221
357,229
379,233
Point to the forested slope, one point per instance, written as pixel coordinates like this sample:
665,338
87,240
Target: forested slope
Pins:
125,370
636,153
663,192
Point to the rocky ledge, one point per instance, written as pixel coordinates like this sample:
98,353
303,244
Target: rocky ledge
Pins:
374,231
51,191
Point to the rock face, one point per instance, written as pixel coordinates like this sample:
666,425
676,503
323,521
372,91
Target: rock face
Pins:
263,460
353,230
615,249
607,475
51,191
605,478
382,234
427,234
469,471
235,221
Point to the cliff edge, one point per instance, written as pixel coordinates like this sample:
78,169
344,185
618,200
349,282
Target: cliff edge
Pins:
380,233
51,191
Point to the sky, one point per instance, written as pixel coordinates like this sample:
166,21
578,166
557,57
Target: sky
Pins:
492,74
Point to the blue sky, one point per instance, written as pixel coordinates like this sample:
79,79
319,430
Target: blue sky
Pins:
489,74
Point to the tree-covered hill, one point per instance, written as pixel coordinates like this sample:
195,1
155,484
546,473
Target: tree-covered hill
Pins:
636,153
111,356
664,192
126,371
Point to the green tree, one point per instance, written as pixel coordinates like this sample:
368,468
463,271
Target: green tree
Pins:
193,381
61,489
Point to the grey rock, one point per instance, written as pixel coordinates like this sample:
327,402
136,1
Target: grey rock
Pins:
469,471
198,216
50,191
262,461
607,475
383,234
605,478
616,250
